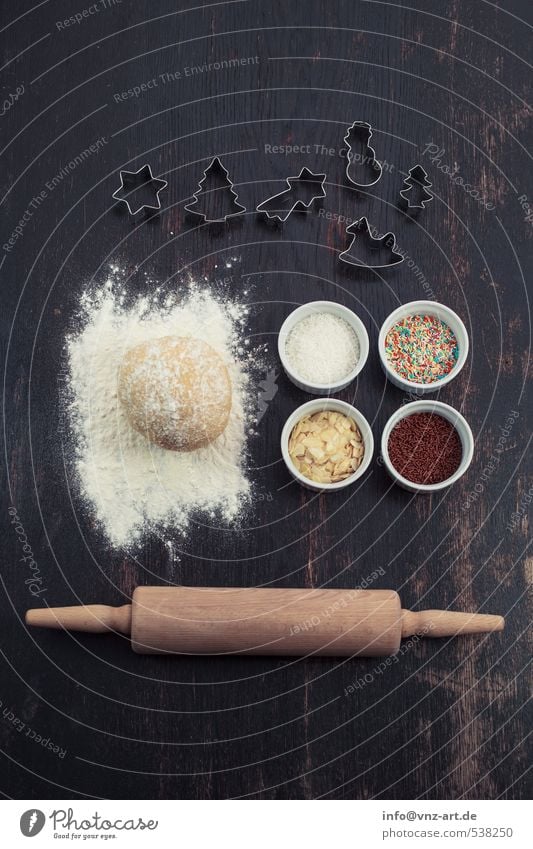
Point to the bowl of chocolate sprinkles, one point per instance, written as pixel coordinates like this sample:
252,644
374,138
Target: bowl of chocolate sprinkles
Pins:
426,446
423,345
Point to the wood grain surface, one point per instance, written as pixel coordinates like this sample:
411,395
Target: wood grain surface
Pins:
81,715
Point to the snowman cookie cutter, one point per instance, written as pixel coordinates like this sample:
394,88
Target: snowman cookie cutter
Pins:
361,131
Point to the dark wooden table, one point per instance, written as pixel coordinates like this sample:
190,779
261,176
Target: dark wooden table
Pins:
448,719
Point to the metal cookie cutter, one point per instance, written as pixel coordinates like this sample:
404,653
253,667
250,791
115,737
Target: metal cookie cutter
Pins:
417,181
362,132
132,181
281,205
216,169
361,229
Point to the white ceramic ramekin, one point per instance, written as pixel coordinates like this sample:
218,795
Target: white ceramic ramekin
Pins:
336,406
454,417
313,308
424,308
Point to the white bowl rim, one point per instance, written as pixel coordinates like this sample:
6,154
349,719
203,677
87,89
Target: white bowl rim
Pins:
422,407
349,410
355,323
414,308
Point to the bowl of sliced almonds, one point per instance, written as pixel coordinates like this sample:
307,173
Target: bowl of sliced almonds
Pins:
327,444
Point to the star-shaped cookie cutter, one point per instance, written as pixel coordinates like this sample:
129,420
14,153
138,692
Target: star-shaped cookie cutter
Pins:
131,181
305,176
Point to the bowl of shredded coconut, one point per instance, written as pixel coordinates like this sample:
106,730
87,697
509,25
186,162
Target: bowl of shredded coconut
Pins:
322,346
130,485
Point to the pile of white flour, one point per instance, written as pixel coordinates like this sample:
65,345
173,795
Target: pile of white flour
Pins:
132,485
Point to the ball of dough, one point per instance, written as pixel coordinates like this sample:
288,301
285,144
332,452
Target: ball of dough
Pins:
176,391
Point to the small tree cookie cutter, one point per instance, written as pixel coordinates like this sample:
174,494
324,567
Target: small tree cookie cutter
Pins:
215,166
418,177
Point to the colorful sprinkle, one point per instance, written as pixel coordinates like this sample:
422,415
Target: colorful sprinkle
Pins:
421,348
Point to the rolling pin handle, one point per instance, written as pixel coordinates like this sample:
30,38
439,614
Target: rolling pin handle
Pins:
448,623
92,618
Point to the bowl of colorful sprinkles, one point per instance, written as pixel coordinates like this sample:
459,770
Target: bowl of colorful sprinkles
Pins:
426,446
423,345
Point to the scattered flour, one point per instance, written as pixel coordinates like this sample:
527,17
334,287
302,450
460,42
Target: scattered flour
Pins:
132,485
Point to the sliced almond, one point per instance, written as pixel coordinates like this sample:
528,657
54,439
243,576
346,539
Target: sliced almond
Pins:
345,466
312,441
326,447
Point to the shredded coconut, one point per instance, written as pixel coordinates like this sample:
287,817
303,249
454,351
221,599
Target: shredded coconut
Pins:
322,348
131,484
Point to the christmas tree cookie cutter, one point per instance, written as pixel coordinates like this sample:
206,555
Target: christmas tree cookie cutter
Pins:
360,229
132,181
361,131
215,167
282,204
417,179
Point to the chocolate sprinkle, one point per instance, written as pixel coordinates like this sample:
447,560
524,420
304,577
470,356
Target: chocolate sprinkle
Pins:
425,448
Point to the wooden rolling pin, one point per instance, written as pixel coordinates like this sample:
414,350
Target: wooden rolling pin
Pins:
212,620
